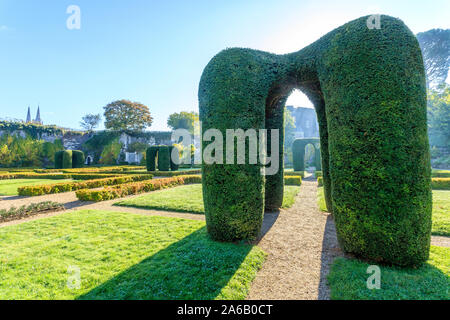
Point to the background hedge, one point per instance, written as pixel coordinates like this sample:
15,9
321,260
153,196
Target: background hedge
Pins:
172,150
298,152
373,136
163,158
151,155
77,159
58,159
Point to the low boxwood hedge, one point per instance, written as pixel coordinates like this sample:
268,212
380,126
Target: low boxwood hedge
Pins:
440,183
293,181
123,190
72,186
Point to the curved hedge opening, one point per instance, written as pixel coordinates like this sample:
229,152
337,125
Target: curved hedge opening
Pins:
373,137
298,151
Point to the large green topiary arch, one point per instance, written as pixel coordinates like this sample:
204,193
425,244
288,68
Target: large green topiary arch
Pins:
368,89
298,152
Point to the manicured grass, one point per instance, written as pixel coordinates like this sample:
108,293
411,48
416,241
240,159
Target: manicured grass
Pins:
441,210
321,199
441,213
122,256
188,198
9,187
348,280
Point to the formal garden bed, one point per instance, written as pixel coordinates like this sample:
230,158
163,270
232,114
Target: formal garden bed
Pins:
188,199
10,187
122,256
30,210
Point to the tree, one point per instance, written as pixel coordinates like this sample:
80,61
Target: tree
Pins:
90,121
183,120
435,45
439,115
127,115
289,133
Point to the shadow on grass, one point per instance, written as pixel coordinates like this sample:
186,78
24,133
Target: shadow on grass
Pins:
192,268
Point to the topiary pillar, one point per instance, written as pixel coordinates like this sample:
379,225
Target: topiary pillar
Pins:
174,154
77,159
368,88
58,159
150,157
163,158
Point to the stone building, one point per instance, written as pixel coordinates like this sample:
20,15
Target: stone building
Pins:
305,122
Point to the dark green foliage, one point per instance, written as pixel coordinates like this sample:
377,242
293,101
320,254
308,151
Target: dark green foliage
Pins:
163,158
67,159
63,159
58,159
298,151
151,154
77,159
373,136
173,165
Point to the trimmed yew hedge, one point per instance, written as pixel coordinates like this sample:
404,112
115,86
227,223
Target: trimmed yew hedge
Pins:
173,151
151,154
163,158
77,159
368,89
123,190
298,151
295,173
293,181
72,186
66,159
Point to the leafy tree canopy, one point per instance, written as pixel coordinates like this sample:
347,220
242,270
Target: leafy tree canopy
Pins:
90,121
183,120
435,45
127,115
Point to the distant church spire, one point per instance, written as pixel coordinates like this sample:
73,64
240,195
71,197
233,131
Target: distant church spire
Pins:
38,117
29,115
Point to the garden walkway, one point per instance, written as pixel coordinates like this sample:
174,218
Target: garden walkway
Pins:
301,246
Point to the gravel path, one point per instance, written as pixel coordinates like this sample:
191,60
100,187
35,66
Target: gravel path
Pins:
301,245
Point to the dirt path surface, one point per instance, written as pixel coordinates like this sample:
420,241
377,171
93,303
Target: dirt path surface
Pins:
301,246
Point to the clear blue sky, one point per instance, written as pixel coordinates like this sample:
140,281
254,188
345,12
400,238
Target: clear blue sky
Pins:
154,51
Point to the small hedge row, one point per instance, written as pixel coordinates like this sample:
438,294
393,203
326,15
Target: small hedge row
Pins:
30,210
318,174
106,169
34,176
127,189
293,181
56,176
320,181
295,173
174,173
39,190
440,183
440,173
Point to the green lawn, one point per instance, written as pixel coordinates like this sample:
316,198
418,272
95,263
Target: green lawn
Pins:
441,210
9,187
122,256
188,198
348,277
